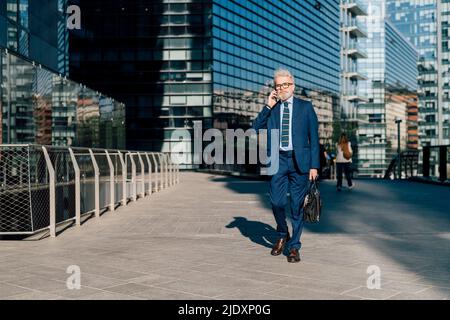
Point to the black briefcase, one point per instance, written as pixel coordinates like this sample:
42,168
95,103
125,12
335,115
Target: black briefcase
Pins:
312,204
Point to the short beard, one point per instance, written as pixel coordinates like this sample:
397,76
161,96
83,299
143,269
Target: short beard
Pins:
285,96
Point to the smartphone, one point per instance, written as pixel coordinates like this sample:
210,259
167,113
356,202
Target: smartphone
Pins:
275,97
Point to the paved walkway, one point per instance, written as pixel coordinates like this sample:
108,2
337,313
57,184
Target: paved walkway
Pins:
209,237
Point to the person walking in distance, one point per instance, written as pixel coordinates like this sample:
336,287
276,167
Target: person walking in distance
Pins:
343,161
298,151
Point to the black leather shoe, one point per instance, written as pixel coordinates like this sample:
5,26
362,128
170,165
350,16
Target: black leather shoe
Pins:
294,256
278,248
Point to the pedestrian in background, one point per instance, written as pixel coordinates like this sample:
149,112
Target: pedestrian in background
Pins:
343,161
324,157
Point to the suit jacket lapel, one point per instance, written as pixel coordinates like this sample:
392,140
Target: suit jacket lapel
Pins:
296,115
276,110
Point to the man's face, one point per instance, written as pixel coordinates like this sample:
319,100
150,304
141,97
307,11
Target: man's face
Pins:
285,87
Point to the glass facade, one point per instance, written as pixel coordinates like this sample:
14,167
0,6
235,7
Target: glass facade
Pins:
38,104
42,107
425,23
36,30
352,31
248,47
390,88
155,56
177,62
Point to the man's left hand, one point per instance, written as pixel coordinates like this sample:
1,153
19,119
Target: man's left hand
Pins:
312,174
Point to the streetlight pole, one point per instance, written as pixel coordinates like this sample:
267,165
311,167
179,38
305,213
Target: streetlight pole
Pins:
399,166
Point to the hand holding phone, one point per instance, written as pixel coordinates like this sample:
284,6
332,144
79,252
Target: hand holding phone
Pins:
273,98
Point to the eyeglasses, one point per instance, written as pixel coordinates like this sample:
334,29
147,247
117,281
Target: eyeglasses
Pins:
283,85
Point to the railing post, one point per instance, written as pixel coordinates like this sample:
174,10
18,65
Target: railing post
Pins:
112,183
161,177
172,166
426,161
405,165
442,163
124,179
178,173
142,194
77,188
164,160
169,170
149,174
166,172
51,173
156,171
172,170
97,184
133,177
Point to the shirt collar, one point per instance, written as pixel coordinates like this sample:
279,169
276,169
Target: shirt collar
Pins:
290,100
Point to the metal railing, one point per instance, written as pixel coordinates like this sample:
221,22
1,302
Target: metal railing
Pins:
436,162
432,164
403,166
44,186
360,4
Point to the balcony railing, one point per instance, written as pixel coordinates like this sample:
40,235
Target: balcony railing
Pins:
354,73
356,28
42,187
355,95
357,7
432,164
353,49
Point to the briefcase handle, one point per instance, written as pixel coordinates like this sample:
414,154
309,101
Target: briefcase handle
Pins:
314,184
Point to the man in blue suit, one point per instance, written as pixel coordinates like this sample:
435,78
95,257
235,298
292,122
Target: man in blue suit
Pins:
298,156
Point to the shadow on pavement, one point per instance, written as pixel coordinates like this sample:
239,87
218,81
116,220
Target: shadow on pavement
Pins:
257,232
408,222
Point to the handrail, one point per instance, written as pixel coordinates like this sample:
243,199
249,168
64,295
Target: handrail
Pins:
44,186
429,163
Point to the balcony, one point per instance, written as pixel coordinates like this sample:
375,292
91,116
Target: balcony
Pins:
356,7
354,51
354,74
355,97
427,110
356,29
428,98
356,118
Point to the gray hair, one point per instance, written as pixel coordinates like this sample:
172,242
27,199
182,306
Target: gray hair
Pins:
283,73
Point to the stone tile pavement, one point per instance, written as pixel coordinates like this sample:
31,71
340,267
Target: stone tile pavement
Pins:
209,237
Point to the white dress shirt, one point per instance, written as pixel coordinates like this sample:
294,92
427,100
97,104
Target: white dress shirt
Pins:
290,102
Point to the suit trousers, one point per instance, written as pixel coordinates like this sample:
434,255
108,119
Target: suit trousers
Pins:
343,166
289,178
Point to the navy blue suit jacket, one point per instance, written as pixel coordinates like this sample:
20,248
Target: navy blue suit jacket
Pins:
305,132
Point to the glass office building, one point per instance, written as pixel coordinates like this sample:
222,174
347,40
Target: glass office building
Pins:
154,56
391,89
38,103
300,36
36,29
425,23
352,31
177,62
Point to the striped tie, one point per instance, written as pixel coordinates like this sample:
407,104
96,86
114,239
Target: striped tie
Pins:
285,126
